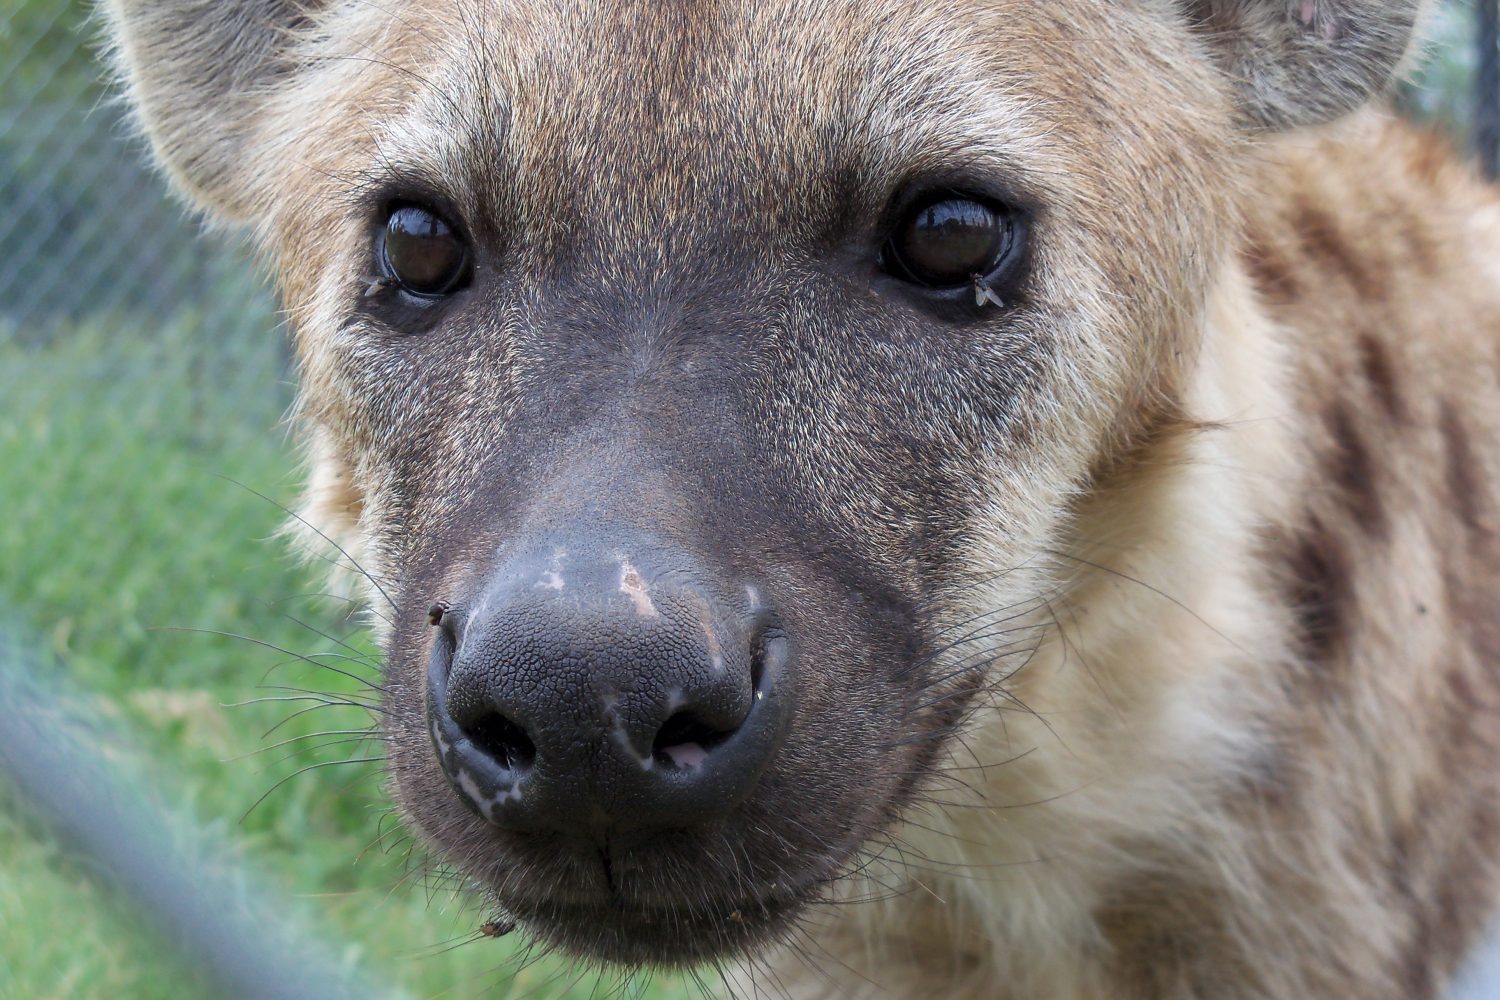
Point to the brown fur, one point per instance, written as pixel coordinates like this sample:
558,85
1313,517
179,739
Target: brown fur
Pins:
1219,488
1401,524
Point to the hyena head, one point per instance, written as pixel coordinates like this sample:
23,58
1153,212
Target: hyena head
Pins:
713,387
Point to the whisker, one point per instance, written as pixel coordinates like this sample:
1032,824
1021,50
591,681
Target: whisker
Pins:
271,645
304,770
363,734
330,596
317,531
358,655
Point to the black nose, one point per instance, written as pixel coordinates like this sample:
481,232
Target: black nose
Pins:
606,690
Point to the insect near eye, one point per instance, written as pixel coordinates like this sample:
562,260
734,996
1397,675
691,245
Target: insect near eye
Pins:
423,254
949,243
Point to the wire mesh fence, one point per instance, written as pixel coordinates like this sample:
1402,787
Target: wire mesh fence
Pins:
143,375
180,879
98,239
141,368
95,234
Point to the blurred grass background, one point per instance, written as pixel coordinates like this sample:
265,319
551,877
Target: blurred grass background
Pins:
143,379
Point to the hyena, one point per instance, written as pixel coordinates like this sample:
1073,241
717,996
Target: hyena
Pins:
978,499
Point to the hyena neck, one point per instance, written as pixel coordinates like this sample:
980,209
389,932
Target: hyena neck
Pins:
1219,752
1123,736
1148,696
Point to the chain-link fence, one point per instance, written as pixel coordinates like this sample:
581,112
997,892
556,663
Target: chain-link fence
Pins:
93,236
143,375
90,231
142,369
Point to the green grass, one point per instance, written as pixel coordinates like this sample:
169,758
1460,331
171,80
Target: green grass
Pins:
122,522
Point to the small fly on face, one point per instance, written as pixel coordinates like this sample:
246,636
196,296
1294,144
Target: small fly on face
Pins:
376,283
984,293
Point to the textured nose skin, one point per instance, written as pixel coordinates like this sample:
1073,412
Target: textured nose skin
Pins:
606,690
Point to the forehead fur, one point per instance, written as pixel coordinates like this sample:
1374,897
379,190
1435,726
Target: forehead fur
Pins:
512,106
639,133
634,135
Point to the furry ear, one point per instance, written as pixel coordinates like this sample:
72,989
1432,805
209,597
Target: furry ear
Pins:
1297,62
196,70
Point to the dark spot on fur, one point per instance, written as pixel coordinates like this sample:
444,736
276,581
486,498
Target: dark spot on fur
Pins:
1376,362
1464,480
1318,590
1167,934
1352,469
1484,828
1441,845
1429,154
1324,242
1270,776
1456,903
1413,246
1158,441
1272,274
1418,970
1460,687
1474,609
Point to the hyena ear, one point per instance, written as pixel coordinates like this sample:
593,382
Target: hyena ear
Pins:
196,72
1298,62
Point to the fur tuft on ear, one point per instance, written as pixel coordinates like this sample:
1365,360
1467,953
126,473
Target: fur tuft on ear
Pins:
195,71
1299,62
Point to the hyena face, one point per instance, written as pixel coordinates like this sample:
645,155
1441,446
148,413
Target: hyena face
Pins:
710,386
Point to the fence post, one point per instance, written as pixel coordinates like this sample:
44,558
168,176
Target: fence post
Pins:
1487,87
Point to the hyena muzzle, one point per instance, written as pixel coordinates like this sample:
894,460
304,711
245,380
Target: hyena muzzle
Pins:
1001,458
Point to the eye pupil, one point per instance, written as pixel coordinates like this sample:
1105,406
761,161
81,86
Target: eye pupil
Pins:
423,253
946,243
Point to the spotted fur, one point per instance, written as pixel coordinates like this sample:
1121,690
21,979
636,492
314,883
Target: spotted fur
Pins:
1148,622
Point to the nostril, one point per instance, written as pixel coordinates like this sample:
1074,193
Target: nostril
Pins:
758,669
770,648
685,740
503,740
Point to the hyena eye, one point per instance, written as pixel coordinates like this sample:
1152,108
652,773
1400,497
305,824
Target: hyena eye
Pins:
423,253
949,242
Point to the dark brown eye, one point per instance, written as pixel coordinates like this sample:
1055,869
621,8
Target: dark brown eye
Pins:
423,253
949,243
